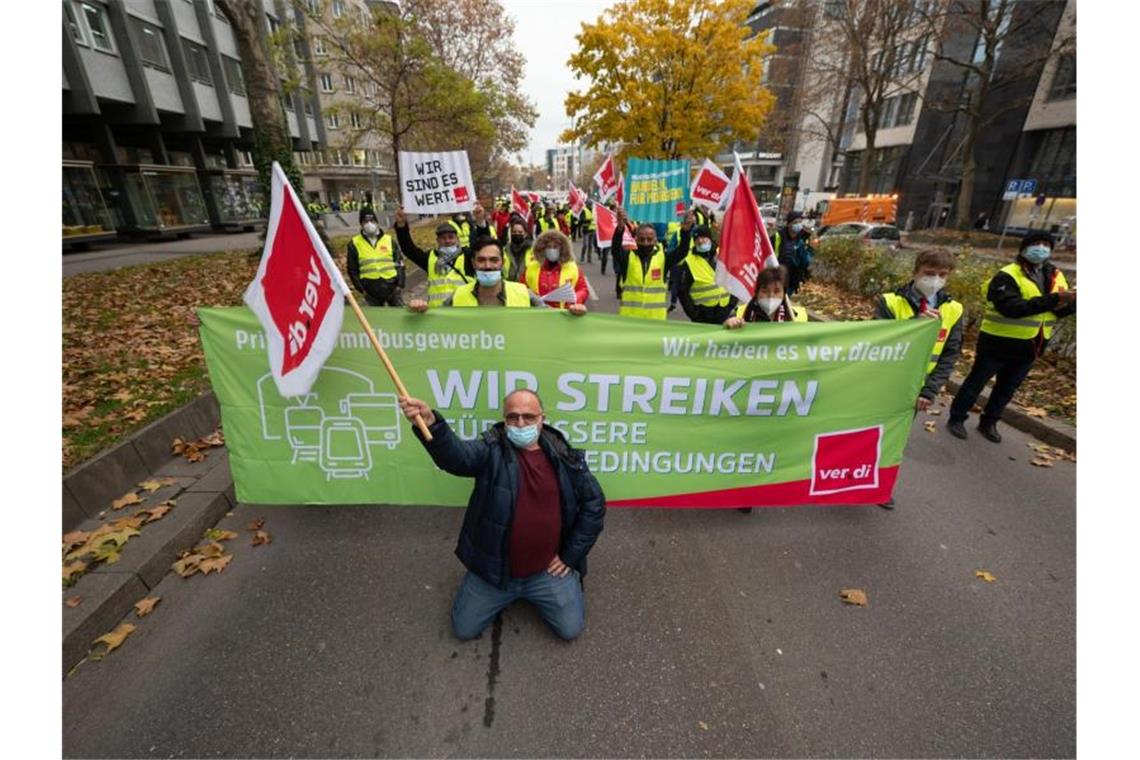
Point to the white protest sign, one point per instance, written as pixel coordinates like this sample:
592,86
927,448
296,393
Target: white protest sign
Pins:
436,183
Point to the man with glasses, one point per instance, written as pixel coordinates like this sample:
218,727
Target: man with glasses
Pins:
533,516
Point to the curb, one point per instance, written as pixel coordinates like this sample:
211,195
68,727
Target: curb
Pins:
1050,431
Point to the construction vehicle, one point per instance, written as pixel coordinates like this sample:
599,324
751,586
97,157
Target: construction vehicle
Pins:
873,209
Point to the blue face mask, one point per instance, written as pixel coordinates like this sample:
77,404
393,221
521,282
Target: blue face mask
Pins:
490,278
523,436
704,247
449,250
796,228
1035,254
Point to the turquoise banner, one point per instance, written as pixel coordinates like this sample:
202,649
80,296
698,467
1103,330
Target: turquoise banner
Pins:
655,189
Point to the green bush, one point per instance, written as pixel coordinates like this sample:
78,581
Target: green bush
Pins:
850,264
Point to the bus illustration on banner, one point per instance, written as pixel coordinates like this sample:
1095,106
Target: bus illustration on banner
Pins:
337,427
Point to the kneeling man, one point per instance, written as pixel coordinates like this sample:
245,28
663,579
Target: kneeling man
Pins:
532,518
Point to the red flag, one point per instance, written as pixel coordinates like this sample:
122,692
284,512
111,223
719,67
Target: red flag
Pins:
606,224
606,178
534,197
744,245
297,294
708,186
518,203
577,200
620,192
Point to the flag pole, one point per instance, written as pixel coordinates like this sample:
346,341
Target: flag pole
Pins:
385,361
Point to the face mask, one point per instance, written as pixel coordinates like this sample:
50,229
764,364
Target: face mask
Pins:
488,278
517,239
796,228
371,229
523,436
646,248
930,285
769,305
704,247
553,254
1035,254
449,250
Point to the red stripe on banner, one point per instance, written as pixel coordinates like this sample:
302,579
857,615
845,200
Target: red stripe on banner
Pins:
794,493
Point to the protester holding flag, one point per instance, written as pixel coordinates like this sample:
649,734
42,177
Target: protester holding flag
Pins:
375,265
694,278
641,273
553,270
794,251
534,514
446,265
770,303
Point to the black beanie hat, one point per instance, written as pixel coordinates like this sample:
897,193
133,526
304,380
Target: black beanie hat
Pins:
1038,236
794,216
366,211
702,230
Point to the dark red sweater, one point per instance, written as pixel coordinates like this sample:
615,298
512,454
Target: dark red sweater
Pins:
537,525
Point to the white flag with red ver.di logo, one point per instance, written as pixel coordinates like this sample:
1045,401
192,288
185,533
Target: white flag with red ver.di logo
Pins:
577,200
619,194
708,186
297,294
606,179
606,221
744,246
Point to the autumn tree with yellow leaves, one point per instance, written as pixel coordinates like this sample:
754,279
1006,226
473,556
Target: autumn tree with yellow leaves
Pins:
670,78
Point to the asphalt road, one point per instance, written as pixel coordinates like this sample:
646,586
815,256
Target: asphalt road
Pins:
709,633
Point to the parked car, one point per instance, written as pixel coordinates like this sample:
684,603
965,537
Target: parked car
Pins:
884,235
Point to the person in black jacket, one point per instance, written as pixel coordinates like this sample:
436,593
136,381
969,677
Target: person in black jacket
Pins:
379,280
533,515
1025,299
794,251
702,307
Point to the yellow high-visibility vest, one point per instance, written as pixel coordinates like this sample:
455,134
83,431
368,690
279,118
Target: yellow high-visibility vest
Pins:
798,314
518,297
376,262
705,291
951,312
463,231
568,274
443,284
643,293
545,224
1023,328
588,215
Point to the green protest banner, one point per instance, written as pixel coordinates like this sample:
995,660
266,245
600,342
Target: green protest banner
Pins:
670,414
656,190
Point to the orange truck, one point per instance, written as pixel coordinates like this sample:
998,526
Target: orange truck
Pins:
874,209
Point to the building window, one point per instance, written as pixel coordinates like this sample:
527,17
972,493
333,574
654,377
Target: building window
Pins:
906,109
888,112
357,122
918,55
96,17
1064,78
196,57
234,78
274,25
350,85
152,48
307,99
333,120
358,158
326,83
73,24
318,46
337,8
218,13
314,7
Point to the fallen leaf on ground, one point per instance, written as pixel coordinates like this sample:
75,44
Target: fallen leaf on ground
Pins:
212,549
168,481
1035,411
215,563
74,539
156,513
217,534
112,641
144,607
188,565
74,569
150,486
854,596
256,524
929,426
1042,462
130,498
704,726
73,601
985,575
261,537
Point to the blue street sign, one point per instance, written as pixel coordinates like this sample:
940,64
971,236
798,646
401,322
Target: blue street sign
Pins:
1012,190
1028,187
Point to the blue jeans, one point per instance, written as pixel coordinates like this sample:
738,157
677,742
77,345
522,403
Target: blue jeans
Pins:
559,601
1011,372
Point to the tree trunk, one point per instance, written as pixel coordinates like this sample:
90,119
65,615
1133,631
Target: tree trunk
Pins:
271,140
866,159
966,185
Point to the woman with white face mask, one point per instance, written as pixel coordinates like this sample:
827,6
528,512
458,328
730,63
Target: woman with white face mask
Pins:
770,303
1024,301
375,263
552,270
